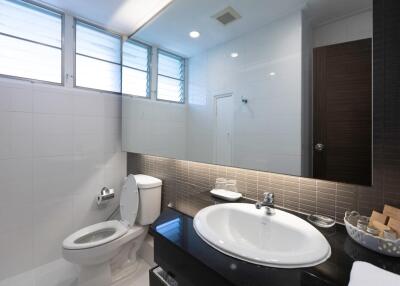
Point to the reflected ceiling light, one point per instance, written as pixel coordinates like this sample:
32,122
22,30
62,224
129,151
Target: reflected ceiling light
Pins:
194,34
234,55
272,73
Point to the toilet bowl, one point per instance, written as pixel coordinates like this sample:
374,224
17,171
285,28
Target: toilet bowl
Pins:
103,247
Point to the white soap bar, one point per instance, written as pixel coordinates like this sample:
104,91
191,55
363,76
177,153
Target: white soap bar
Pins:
226,195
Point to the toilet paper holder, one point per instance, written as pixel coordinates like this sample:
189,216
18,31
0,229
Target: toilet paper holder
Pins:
105,196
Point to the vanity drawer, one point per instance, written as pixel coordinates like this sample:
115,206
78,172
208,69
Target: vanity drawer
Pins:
158,277
183,267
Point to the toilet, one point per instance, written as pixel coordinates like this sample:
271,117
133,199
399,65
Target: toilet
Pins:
104,248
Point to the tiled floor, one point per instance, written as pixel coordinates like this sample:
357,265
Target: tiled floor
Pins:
62,273
139,278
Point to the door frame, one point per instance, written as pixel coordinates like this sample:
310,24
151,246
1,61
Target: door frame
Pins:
215,98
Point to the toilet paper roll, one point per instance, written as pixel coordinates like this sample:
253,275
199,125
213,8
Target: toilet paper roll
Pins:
105,196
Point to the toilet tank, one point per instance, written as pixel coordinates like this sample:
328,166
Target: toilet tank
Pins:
149,199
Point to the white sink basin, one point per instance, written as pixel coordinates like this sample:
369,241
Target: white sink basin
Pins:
281,240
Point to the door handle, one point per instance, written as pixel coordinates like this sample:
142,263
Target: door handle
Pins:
319,147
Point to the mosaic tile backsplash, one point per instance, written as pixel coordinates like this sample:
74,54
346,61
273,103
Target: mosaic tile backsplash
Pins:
183,179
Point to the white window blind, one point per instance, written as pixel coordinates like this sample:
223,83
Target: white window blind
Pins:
98,58
171,77
136,69
30,41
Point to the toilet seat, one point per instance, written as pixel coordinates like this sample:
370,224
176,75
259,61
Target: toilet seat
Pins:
95,235
107,231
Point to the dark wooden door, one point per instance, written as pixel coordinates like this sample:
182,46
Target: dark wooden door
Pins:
342,105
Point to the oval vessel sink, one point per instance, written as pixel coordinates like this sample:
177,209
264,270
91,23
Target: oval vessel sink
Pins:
281,240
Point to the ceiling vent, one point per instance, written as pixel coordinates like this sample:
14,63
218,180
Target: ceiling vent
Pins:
227,16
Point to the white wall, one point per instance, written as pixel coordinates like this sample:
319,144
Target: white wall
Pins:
352,28
58,147
267,130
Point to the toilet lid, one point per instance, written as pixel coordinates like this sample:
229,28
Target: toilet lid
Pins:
129,202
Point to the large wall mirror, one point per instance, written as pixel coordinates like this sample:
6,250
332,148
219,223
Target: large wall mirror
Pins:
280,86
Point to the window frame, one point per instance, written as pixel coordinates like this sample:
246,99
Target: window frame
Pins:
162,51
149,65
76,20
62,49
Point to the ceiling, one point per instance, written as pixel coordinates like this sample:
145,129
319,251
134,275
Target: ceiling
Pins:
122,16
323,11
171,28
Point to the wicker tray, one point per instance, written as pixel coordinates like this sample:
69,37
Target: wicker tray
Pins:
375,243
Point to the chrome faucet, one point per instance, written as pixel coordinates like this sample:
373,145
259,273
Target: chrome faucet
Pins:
268,203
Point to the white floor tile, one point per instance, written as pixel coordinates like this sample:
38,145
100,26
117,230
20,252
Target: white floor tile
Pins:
139,278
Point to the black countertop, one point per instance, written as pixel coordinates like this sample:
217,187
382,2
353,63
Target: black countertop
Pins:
176,227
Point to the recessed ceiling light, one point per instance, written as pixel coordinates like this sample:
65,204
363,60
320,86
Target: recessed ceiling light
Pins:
234,55
272,73
194,34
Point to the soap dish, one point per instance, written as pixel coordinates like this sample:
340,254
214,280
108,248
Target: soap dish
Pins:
321,221
226,195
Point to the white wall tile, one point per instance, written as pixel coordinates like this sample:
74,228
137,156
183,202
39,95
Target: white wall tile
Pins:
52,100
115,170
52,124
88,144
52,145
16,183
52,223
15,96
58,148
22,100
88,125
5,135
5,99
53,163
16,252
52,178
88,103
21,123
88,173
112,106
15,134
85,210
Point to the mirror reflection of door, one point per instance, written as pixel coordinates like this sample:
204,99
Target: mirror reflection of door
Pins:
342,100
223,129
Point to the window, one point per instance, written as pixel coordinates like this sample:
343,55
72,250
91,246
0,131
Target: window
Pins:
136,69
97,59
30,41
171,77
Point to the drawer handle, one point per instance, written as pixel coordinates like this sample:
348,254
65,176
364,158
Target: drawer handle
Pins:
165,277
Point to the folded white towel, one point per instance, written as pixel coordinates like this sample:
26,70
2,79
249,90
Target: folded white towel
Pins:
366,274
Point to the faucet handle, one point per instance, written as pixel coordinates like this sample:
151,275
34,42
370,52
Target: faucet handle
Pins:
269,197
